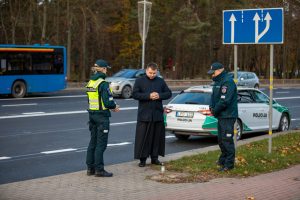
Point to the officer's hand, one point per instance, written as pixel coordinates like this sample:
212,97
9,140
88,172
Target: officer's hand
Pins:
117,109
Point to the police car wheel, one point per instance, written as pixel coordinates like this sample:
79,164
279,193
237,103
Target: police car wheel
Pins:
284,124
182,137
126,92
239,130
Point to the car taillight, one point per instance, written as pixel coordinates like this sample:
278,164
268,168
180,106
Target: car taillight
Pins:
167,110
205,112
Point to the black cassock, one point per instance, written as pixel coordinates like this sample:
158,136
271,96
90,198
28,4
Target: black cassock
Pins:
150,129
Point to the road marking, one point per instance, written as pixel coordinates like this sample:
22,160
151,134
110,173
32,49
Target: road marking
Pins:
279,98
59,97
4,158
58,151
33,113
282,92
15,105
65,130
295,119
170,136
53,97
38,114
81,149
122,123
119,144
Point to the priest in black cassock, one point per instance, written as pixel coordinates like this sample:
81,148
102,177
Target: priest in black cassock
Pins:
150,90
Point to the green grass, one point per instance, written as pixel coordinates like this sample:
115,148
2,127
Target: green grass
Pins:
251,159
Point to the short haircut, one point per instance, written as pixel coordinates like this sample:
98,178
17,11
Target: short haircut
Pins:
153,66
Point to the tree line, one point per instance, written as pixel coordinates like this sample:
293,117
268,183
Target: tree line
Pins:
184,38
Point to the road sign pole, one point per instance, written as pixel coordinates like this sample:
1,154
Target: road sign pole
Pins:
271,97
235,80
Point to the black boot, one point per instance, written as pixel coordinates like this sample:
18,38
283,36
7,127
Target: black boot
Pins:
90,171
142,162
155,161
103,173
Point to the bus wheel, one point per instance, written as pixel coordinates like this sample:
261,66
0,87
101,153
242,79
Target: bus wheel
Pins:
19,89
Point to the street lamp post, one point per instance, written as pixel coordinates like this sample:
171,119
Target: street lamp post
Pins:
144,13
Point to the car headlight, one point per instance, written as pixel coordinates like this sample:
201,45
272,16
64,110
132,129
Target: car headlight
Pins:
116,82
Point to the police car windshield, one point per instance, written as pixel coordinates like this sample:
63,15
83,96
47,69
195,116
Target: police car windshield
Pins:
199,98
125,73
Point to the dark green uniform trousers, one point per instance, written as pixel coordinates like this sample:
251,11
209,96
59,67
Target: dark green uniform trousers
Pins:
99,127
225,140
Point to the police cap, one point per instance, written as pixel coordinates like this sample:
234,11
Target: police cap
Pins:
102,63
215,66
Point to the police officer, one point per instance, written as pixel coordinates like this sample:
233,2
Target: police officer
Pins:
223,106
100,102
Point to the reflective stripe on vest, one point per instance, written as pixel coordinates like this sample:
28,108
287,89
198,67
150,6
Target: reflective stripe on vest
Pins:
93,95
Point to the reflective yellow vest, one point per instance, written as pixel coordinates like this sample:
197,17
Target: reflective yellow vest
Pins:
93,95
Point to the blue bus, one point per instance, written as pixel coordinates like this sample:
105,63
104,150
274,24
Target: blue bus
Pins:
32,68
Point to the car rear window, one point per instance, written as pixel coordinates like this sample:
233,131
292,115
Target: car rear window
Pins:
200,98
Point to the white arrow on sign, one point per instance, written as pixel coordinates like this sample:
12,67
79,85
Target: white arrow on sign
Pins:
232,20
256,19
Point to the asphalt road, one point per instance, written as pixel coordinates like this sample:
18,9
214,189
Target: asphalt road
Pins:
47,134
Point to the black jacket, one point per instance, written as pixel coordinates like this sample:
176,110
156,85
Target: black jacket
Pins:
150,110
224,97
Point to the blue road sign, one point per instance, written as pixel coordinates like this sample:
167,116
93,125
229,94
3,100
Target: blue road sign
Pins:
253,26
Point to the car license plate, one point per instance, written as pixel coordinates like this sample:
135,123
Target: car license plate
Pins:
185,114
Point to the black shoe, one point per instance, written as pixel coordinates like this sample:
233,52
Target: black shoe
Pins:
90,171
155,162
225,169
220,164
142,163
103,173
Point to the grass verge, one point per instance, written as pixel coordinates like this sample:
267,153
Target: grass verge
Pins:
251,159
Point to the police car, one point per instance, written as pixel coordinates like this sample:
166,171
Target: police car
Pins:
188,113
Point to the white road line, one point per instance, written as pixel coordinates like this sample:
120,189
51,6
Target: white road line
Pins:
278,98
82,149
65,130
33,113
4,158
119,144
53,97
122,123
15,105
295,119
282,92
170,136
39,114
58,151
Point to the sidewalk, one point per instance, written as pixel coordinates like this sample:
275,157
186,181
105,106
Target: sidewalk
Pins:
129,182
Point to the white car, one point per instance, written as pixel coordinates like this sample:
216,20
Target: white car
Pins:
188,113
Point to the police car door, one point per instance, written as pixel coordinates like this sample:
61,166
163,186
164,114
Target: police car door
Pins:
246,105
262,109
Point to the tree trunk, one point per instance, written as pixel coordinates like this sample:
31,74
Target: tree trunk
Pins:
43,37
84,31
69,45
